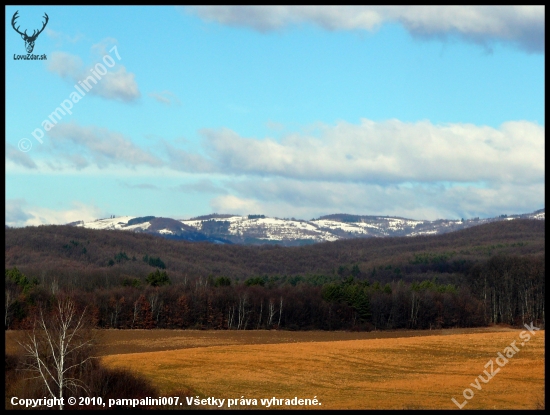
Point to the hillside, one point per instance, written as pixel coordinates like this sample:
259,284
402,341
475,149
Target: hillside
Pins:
492,273
259,229
46,250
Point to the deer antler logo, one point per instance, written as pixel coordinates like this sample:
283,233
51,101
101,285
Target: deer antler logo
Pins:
29,40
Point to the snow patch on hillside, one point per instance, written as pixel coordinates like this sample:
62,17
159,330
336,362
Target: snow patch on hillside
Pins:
166,232
109,223
539,216
138,227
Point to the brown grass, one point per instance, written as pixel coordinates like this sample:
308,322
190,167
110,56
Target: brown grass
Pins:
139,341
343,373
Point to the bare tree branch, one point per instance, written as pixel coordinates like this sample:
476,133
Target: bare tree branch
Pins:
57,347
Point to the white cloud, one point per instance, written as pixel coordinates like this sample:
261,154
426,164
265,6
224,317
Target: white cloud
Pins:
19,157
62,37
66,65
166,98
186,161
418,170
287,197
18,214
521,25
140,186
116,84
384,152
98,146
15,216
104,47
231,203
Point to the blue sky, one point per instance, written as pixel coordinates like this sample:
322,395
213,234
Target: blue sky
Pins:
420,112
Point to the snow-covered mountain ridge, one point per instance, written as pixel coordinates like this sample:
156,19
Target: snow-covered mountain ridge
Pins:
258,229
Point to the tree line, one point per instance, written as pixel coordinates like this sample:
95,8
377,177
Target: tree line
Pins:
502,289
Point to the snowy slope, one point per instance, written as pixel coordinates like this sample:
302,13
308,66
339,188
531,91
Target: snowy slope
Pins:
261,229
111,223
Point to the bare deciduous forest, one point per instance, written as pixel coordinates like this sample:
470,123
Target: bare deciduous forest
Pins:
488,274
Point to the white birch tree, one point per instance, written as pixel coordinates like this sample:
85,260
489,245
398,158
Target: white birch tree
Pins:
57,349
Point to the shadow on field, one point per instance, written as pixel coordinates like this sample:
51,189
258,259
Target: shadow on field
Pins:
109,384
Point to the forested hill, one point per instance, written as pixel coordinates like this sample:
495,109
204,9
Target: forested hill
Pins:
492,273
89,254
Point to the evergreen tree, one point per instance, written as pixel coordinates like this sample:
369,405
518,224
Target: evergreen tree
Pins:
157,278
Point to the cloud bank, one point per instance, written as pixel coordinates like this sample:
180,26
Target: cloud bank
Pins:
418,170
387,152
20,213
520,25
292,198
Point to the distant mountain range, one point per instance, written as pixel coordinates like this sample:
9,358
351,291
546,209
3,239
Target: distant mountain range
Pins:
259,229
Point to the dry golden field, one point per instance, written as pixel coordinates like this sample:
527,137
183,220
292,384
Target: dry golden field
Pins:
384,370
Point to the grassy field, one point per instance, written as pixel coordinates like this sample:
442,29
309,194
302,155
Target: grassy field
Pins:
387,370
